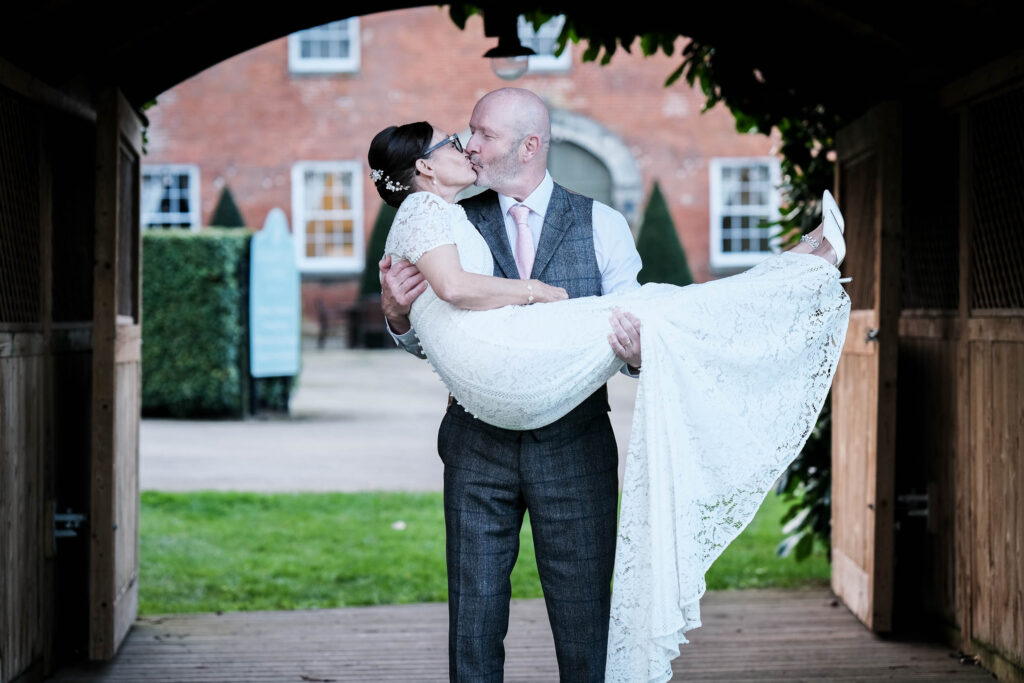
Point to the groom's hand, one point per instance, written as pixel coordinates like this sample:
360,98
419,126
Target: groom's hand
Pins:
625,338
401,282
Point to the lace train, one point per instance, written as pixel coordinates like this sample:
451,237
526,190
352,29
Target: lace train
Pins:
720,413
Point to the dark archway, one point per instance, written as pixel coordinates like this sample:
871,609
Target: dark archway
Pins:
70,60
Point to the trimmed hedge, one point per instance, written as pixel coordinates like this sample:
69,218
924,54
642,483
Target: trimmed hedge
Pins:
658,244
226,214
194,356
369,284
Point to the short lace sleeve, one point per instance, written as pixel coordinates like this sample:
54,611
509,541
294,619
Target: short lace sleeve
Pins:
422,222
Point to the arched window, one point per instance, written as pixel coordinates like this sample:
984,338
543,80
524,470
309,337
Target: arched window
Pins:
590,159
580,171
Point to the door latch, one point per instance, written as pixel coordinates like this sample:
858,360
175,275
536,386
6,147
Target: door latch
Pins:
872,335
66,524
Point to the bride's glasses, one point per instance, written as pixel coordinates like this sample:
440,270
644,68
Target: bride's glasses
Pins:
453,139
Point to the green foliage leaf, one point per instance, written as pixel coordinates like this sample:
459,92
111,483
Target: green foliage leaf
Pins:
461,12
649,44
668,44
609,50
674,76
804,547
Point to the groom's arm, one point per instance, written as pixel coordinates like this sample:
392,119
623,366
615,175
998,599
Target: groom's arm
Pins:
619,263
401,283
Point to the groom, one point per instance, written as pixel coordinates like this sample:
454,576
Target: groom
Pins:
565,474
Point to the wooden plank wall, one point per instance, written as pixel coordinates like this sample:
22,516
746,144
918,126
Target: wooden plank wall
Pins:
46,143
996,462
927,448
961,371
23,621
25,604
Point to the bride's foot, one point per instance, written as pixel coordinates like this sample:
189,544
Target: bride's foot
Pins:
810,243
826,240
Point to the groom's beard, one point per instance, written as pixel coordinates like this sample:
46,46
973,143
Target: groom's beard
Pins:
499,172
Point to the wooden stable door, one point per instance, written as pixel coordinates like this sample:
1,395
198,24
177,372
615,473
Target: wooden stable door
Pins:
116,378
864,392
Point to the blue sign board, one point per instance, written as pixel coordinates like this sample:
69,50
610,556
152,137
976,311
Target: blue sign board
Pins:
274,301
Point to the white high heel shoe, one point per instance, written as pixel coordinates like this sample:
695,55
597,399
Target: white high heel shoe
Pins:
834,227
832,219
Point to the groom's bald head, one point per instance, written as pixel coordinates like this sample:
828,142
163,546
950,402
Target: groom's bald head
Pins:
510,142
521,110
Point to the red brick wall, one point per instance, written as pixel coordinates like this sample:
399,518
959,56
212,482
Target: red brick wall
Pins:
246,120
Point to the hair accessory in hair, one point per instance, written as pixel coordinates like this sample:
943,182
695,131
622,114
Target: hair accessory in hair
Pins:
376,176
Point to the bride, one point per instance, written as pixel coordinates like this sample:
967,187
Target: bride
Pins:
735,372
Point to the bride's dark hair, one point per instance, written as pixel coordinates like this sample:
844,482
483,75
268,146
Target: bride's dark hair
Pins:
392,157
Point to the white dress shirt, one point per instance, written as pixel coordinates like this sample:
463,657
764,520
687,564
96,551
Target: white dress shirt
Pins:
614,247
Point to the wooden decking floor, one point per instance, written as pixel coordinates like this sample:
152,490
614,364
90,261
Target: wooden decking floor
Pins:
760,635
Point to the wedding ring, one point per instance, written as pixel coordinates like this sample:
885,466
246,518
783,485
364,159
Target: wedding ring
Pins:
628,342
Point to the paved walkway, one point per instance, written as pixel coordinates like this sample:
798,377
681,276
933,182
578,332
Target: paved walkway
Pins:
361,420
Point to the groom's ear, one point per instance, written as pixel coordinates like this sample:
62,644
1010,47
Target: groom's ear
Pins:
531,146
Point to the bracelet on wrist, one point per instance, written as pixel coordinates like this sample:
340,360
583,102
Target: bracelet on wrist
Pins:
529,289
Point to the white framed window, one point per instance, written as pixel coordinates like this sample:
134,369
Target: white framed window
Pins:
543,41
744,196
327,216
170,196
331,48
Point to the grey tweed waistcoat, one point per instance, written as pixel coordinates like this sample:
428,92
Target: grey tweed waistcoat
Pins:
565,257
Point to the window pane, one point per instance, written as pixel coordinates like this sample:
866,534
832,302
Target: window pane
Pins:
333,41
745,192
166,199
328,206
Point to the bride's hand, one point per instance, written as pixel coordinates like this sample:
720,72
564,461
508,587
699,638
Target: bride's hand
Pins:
545,293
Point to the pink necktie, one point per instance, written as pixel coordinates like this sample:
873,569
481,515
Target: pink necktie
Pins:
524,240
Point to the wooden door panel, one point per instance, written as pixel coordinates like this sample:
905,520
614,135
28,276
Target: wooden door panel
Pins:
864,391
997,461
854,433
126,484
114,557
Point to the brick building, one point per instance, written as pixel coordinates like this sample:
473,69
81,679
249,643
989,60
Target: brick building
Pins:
288,124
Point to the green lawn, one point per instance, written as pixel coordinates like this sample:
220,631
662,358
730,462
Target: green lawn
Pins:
208,551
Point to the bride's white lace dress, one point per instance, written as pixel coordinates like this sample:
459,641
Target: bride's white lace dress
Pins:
735,372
